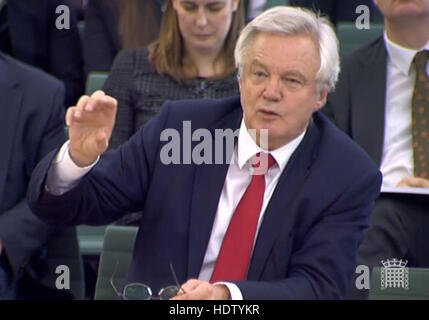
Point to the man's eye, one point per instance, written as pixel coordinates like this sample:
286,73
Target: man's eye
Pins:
293,82
259,74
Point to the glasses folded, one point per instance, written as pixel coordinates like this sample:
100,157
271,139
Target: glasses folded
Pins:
140,291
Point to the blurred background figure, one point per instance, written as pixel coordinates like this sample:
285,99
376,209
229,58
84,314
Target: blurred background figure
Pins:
339,10
31,125
192,58
382,102
28,32
112,25
79,8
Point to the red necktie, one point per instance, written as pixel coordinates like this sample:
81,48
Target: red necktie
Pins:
234,256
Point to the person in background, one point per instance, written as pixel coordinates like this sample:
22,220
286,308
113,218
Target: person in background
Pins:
192,58
339,10
382,102
31,125
113,25
279,217
79,8
29,33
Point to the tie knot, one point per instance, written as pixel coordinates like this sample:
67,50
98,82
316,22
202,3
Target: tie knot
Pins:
261,162
421,60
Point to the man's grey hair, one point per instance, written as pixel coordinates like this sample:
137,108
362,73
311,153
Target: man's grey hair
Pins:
291,21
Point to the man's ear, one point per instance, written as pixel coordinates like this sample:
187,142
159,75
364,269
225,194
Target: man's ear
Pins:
239,79
323,95
174,3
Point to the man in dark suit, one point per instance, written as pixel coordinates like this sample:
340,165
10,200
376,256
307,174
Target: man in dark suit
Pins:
296,229
29,33
31,125
373,104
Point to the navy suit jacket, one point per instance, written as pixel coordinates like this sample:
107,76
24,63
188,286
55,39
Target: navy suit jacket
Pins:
31,125
307,243
357,106
37,41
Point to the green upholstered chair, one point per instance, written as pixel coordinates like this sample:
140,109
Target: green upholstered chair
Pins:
95,81
274,3
351,38
63,249
91,239
418,286
118,249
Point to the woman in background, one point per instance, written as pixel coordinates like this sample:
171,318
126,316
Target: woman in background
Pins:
192,58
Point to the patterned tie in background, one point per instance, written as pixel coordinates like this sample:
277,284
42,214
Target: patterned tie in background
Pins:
234,256
421,116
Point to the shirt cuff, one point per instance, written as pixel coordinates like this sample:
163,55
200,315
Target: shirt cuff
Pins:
234,291
64,174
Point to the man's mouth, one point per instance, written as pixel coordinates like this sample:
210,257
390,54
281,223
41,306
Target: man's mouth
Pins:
268,113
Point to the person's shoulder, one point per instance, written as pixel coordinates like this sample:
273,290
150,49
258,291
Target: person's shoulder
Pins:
367,53
334,143
136,60
28,76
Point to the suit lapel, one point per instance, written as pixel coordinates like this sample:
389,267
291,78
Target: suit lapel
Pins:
281,212
207,188
368,102
10,104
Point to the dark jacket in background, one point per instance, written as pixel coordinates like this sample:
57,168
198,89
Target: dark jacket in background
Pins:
339,10
36,40
31,125
101,37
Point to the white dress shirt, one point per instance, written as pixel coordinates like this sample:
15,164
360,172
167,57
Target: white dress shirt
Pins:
64,175
397,157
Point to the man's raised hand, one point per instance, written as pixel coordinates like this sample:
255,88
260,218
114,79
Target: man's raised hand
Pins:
90,125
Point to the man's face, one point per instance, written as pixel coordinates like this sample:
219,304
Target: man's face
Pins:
403,9
278,86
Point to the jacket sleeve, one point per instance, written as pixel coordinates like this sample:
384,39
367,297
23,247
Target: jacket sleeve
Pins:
102,198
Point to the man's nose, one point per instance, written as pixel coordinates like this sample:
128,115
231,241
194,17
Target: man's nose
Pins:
273,90
201,17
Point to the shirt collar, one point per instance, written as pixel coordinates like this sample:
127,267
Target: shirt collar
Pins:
402,57
247,148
